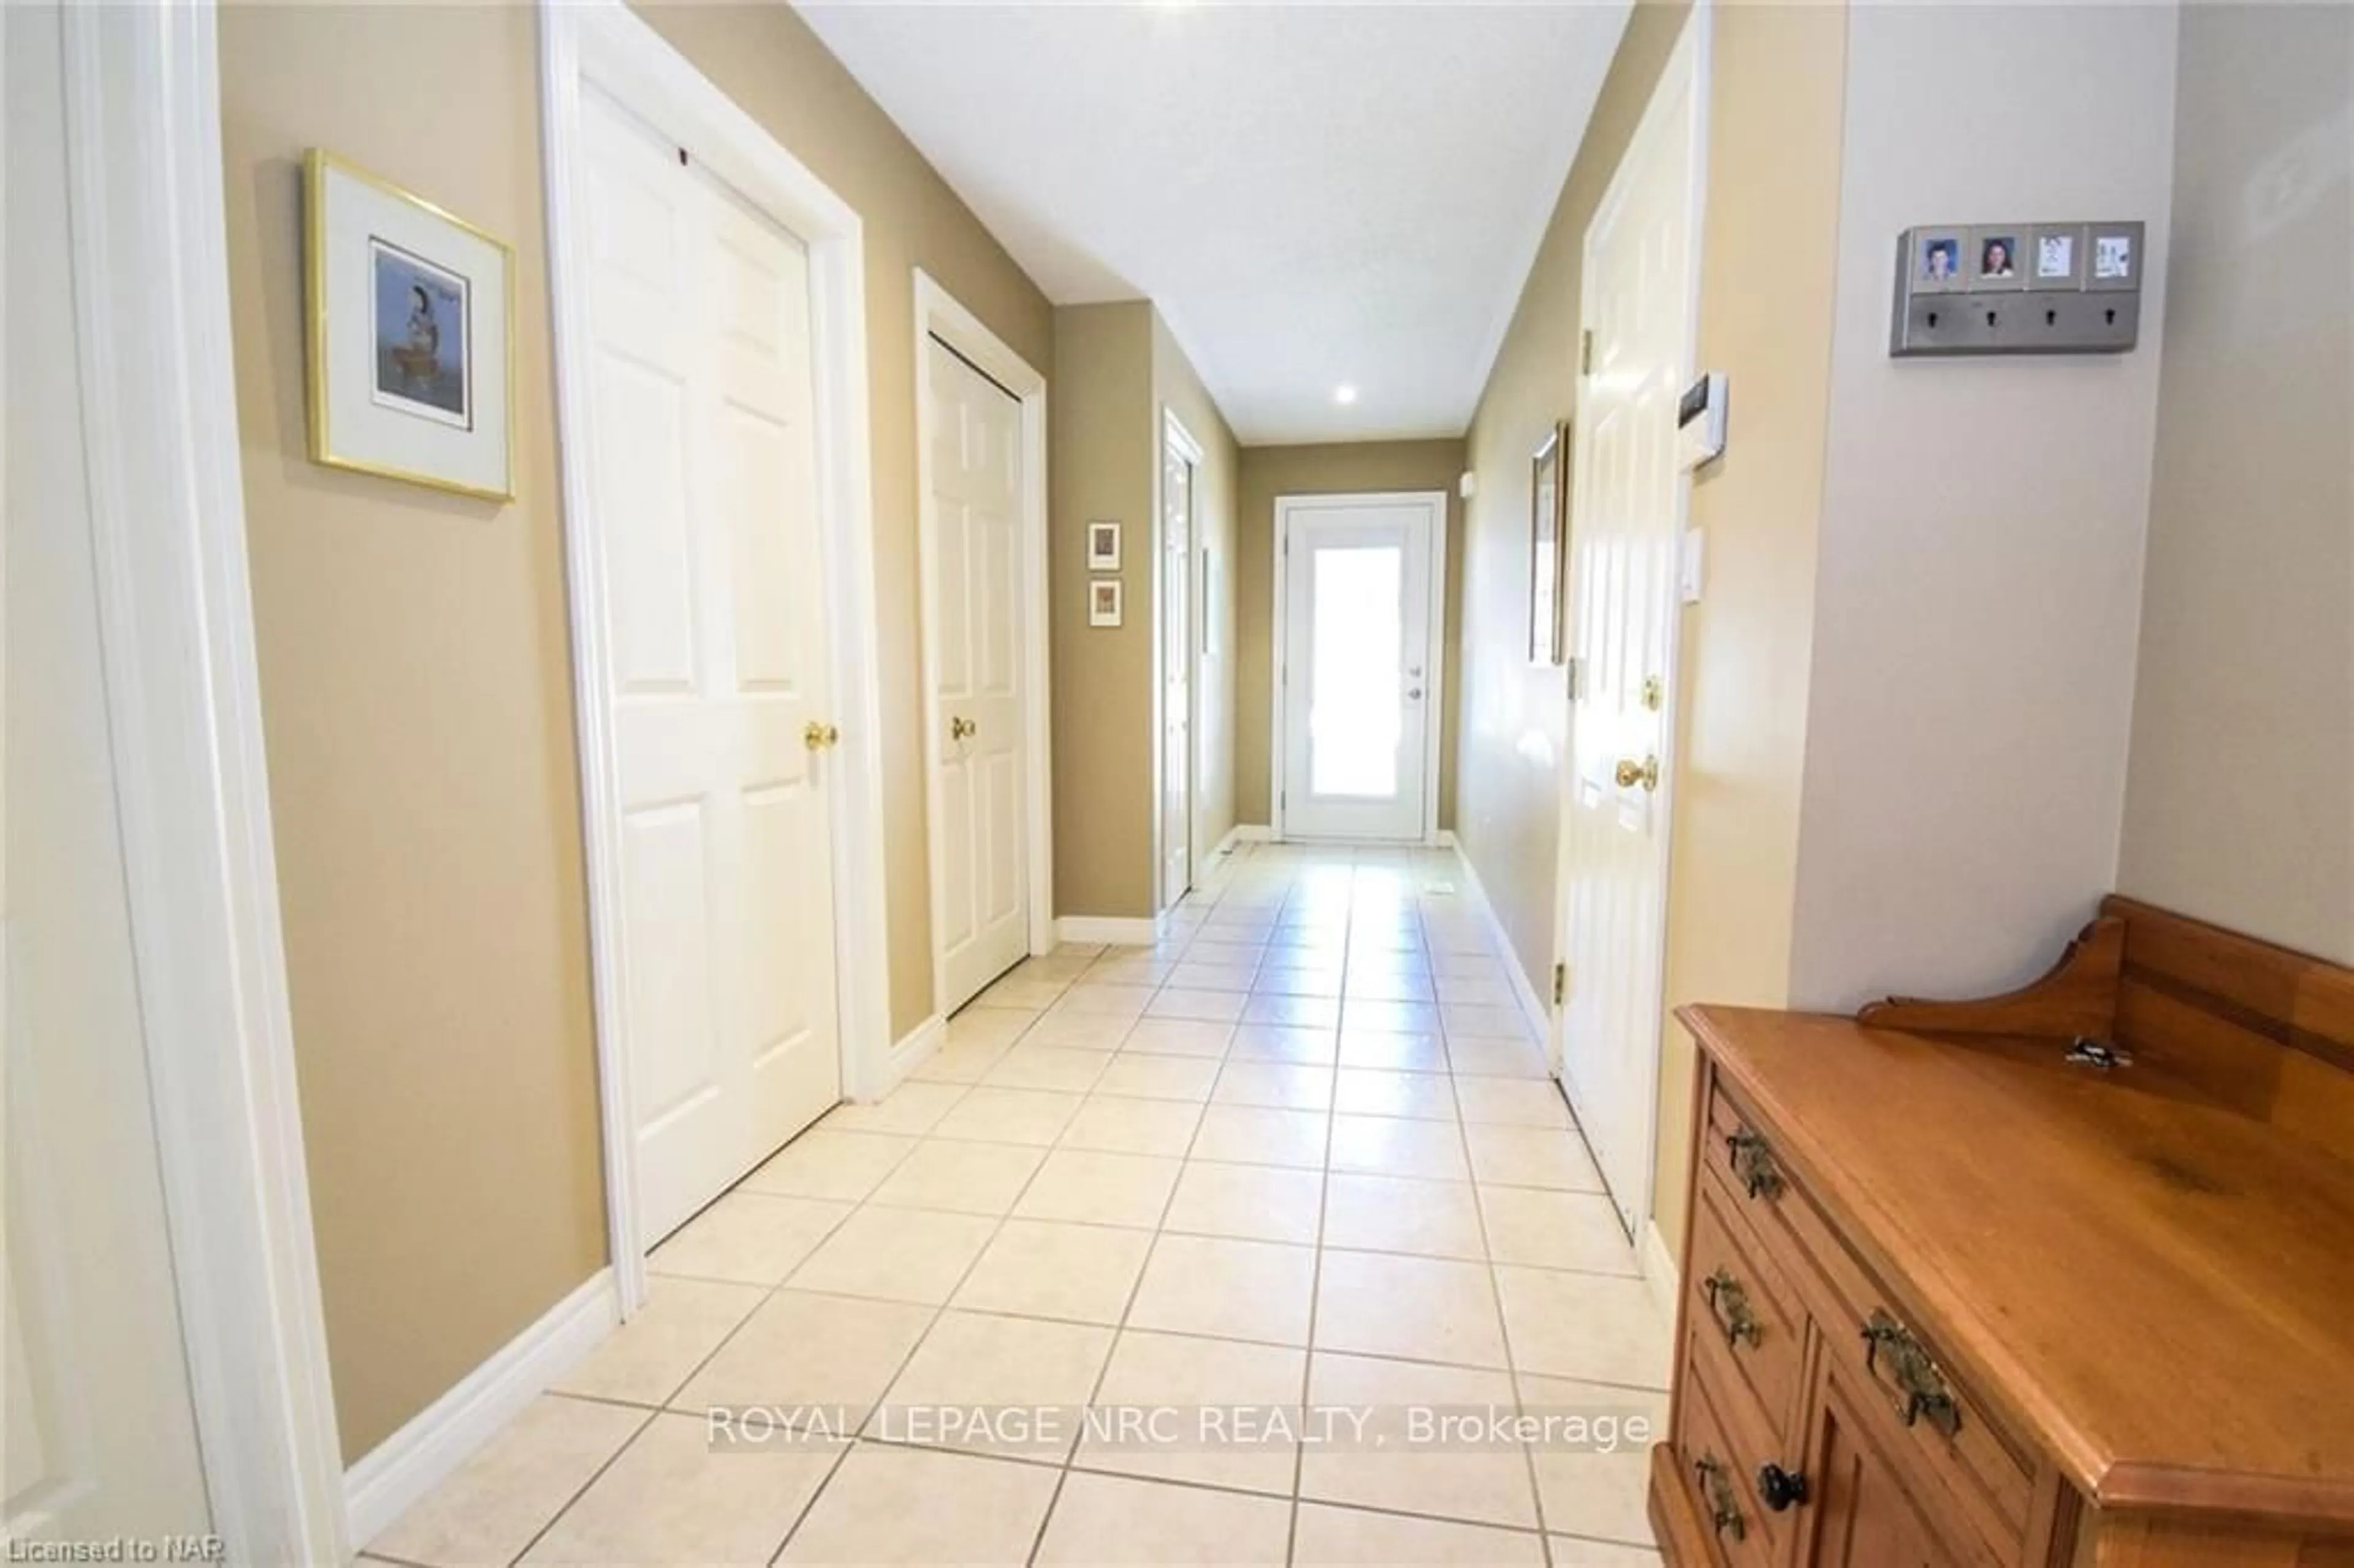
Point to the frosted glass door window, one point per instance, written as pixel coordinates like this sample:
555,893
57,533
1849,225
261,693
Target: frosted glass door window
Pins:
1353,722
1360,679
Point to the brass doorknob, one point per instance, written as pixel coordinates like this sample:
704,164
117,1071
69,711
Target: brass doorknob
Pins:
962,728
1630,773
818,737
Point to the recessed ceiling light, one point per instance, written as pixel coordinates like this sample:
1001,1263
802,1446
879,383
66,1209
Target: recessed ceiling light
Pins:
1344,393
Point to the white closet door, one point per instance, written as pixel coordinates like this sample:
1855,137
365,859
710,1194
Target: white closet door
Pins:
1176,632
978,632
706,491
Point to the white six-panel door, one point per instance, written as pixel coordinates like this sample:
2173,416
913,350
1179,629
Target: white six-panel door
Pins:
978,632
1625,520
705,468
1359,679
1175,626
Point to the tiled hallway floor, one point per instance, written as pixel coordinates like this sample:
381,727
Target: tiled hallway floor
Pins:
1299,1161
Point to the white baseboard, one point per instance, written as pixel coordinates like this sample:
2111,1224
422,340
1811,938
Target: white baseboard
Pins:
402,1468
1659,1270
1109,930
908,1052
1533,1006
1251,834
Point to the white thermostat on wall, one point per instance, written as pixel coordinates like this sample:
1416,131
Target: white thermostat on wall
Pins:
1700,421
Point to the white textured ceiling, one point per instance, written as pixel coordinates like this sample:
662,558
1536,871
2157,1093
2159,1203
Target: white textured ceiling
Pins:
1312,194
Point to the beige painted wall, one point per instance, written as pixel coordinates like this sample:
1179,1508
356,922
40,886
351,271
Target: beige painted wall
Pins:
416,683
1979,590
1103,435
1774,105
768,60
1330,469
1514,715
2240,789
1177,388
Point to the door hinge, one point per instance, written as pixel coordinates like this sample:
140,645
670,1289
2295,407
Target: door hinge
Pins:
1560,983
1575,680
1585,352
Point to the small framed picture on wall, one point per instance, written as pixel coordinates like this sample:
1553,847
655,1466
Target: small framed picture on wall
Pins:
1104,602
1103,546
1548,535
410,346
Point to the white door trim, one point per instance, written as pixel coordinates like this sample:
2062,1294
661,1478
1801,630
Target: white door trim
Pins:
1175,436
184,711
1433,737
1689,66
604,43
940,315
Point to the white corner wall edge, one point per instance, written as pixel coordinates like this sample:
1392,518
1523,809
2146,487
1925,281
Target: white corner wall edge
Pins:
1659,1270
402,1468
907,1054
1110,930
1251,834
1533,1007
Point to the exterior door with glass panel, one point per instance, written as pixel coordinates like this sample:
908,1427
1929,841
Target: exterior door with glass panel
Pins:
1358,682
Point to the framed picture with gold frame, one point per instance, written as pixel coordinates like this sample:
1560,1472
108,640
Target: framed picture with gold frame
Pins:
1548,544
410,339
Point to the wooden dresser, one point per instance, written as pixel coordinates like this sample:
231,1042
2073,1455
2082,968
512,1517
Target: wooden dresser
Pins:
1953,1299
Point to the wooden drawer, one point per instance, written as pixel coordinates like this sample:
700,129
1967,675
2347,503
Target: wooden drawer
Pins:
1742,1302
1720,1476
1950,1437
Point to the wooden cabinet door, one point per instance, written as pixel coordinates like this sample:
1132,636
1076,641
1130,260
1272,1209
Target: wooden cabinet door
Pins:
1864,1514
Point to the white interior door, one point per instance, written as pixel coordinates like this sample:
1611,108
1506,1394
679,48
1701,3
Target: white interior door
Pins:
1625,520
704,470
100,1437
979,631
1179,467
1360,676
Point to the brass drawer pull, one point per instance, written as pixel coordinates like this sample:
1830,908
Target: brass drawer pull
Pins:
1723,1504
1730,1305
1915,1373
1753,1164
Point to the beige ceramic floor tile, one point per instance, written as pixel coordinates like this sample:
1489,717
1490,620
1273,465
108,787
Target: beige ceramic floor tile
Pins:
1115,1125
828,1356
1213,976
1044,1269
1113,1519
1531,1157
1293,1011
1329,1537
1595,1481
645,1360
672,1497
1555,1230
752,1238
1098,1189
1179,1037
965,1063
911,1110
1008,1116
1389,1052
896,1254
1142,1076
1482,1483
1181,1408
1031,991
1298,979
1477,1056
1105,999
908,1505
1584,1326
1292,1047
823,1163
1571,1552
1202,1006
1028,1066
1274,1083
1079,1031
489,1508
964,1178
1235,1289
1373,1091
1429,1308
1396,1146
1399,1213
1255,1202
979,1362
1519,1102
1252,1135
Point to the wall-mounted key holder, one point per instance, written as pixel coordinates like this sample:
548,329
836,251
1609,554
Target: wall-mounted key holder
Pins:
2017,288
